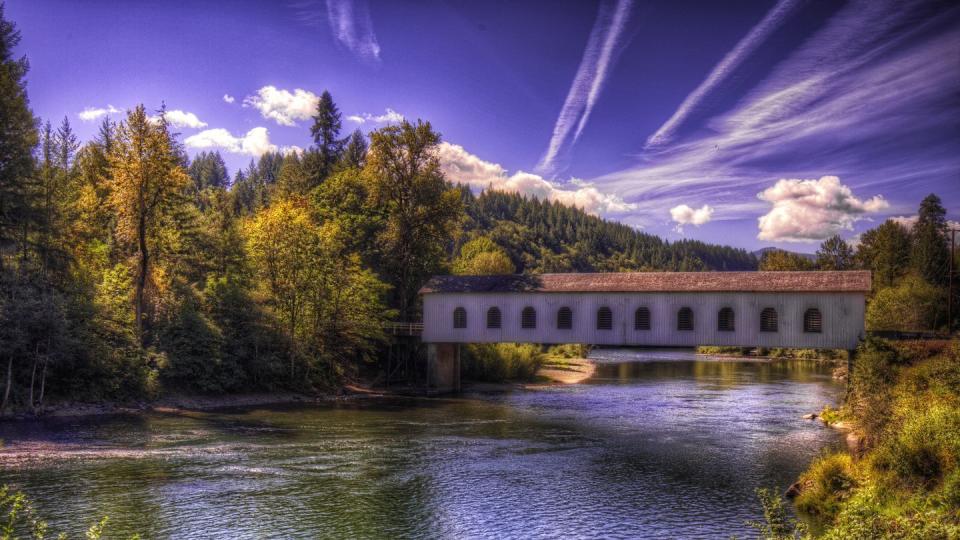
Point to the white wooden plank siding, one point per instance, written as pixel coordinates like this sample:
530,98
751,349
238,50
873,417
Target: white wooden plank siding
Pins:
842,318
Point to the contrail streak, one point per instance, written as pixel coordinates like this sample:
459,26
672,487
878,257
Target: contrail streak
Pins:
757,35
588,82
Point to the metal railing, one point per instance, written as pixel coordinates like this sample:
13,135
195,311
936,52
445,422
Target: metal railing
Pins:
403,328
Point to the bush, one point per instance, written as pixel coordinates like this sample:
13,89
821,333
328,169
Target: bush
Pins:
827,483
568,351
498,362
924,448
777,523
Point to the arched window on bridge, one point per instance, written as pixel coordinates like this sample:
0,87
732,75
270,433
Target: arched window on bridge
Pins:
685,319
725,320
493,317
812,321
528,318
459,318
564,318
768,320
604,319
641,319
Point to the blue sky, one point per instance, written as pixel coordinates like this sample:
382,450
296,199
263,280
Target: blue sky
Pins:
750,123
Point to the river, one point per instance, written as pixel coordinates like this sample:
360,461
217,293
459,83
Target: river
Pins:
657,444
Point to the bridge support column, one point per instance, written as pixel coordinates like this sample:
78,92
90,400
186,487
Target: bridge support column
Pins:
443,368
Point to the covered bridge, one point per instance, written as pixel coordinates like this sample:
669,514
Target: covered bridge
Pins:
662,309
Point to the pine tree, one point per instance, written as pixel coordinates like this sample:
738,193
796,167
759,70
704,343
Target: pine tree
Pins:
18,137
930,255
326,132
355,153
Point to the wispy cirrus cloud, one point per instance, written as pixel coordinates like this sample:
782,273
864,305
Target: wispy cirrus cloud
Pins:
757,35
465,168
866,98
349,22
600,54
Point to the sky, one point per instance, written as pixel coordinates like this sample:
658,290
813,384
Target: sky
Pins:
747,123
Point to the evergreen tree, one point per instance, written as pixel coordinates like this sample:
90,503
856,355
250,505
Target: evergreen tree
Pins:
18,137
778,260
326,132
930,255
355,154
67,145
835,254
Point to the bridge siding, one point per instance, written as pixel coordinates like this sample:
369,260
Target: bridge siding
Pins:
843,315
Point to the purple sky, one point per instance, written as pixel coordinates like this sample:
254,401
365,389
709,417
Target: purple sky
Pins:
750,123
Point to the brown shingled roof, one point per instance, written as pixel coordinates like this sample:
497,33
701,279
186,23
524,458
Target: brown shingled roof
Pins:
829,281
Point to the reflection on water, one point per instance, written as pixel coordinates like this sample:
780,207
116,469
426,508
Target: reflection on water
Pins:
656,445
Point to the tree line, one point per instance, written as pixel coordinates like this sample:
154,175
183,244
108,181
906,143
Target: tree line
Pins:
910,265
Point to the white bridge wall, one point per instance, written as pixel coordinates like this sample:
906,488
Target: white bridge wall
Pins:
843,319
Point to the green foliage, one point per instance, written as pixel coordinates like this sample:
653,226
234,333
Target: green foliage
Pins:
570,350
912,305
19,520
829,415
835,254
777,260
777,523
325,132
884,251
930,255
827,482
498,362
481,256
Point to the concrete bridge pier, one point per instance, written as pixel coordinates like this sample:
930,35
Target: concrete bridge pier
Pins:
443,368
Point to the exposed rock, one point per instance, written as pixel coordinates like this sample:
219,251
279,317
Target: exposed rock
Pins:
811,416
794,490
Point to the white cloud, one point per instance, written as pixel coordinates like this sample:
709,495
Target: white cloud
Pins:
599,55
228,98
351,25
462,167
684,215
181,119
282,106
90,114
255,143
910,221
390,116
811,210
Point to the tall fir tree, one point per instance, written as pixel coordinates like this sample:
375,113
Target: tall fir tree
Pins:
835,254
930,255
355,154
326,136
18,137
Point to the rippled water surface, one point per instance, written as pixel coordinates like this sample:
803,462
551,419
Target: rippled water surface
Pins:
655,445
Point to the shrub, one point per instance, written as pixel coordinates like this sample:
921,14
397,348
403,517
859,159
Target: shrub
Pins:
777,523
829,415
924,448
827,483
498,362
568,351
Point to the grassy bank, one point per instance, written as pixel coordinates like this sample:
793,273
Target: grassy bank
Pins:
776,352
904,480
500,362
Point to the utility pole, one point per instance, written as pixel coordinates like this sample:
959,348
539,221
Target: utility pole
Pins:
953,255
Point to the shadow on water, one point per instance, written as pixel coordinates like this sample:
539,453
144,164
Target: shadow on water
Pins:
652,446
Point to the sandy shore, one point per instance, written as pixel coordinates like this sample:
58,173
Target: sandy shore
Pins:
566,371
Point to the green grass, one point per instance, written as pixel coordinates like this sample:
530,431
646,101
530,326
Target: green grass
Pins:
500,362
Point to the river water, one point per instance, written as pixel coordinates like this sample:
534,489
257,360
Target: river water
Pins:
655,445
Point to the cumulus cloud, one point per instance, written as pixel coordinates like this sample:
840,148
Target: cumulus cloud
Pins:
282,106
228,98
181,119
684,215
255,143
90,114
910,221
812,210
390,116
463,167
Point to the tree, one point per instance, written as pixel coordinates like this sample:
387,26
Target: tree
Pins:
355,154
780,260
326,132
835,254
18,137
930,255
913,305
421,209
148,179
209,171
481,256
885,251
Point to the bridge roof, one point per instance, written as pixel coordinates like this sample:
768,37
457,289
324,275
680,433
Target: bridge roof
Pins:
826,281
